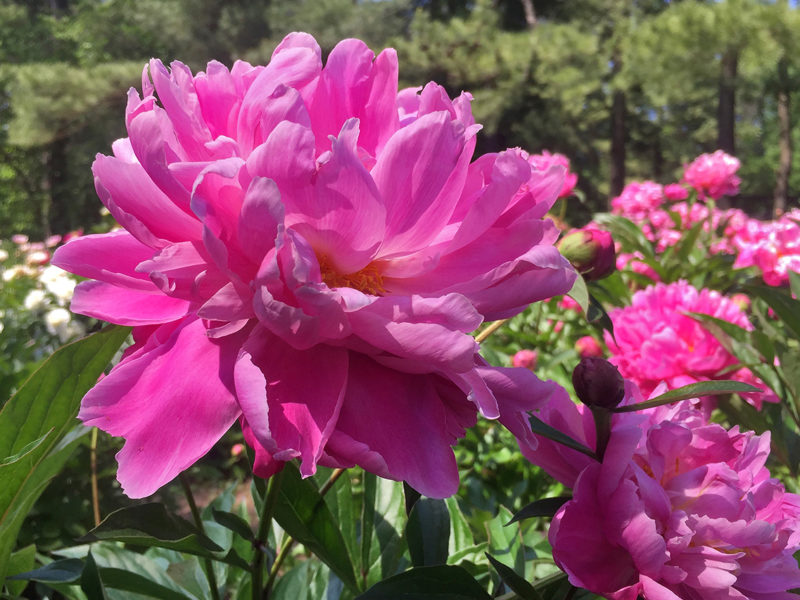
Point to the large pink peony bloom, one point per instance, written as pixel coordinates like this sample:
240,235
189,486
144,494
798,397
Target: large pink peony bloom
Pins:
637,200
679,509
657,341
773,247
713,175
306,250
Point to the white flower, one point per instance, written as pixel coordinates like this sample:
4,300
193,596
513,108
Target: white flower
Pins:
3,255
58,283
35,300
59,322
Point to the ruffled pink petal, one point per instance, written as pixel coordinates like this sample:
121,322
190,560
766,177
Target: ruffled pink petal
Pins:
406,436
126,306
127,191
431,330
168,421
110,257
290,414
343,219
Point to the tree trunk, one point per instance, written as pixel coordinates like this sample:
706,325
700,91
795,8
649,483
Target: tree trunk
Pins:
617,144
784,141
726,108
530,13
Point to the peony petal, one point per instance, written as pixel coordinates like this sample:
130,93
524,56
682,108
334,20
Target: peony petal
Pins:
110,257
126,306
407,435
168,421
290,414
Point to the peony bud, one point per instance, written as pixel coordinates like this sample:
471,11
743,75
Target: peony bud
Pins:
598,383
590,251
587,346
525,358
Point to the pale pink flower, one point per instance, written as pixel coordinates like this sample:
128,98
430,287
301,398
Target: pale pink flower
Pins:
679,508
524,358
587,346
306,251
655,340
713,175
546,159
19,239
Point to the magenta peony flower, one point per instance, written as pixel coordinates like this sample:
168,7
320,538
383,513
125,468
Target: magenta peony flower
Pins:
772,247
525,358
675,192
306,250
713,175
588,347
637,200
545,160
657,341
684,510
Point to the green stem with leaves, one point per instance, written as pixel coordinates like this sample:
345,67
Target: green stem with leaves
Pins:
265,520
208,566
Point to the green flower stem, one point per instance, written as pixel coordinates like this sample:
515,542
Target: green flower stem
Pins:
602,425
490,330
93,467
265,520
208,566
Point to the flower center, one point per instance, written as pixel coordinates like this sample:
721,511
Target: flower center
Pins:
368,280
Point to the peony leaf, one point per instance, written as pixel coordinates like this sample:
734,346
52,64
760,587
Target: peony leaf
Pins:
38,428
539,427
121,579
544,507
580,293
21,560
303,514
786,307
444,582
151,525
694,390
627,233
514,581
91,584
60,571
235,523
428,532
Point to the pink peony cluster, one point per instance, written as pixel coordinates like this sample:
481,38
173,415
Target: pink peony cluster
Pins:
773,247
294,219
637,200
657,341
713,175
679,508
545,160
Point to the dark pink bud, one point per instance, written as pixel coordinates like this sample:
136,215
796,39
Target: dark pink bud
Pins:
590,251
598,383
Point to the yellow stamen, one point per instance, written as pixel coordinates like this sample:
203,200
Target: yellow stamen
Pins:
368,280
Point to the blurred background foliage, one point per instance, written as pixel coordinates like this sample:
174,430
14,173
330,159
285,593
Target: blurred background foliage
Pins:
626,89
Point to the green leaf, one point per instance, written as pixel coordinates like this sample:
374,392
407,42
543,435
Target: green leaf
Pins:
694,390
539,427
460,534
60,571
787,308
367,517
151,525
21,560
544,507
512,579
580,293
428,532
303,514
120,579
91,584
627,233
28,448
506,541
794,283
235,523
597,314
47,401
444,582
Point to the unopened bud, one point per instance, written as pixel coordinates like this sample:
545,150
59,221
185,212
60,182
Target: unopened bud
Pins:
525,359
598,383
590,251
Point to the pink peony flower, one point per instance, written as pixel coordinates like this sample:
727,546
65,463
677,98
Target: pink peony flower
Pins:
545,160
685,509
306,250
637,200
657,341
588,347
773,248
635,262
675,192
713,175
525,359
